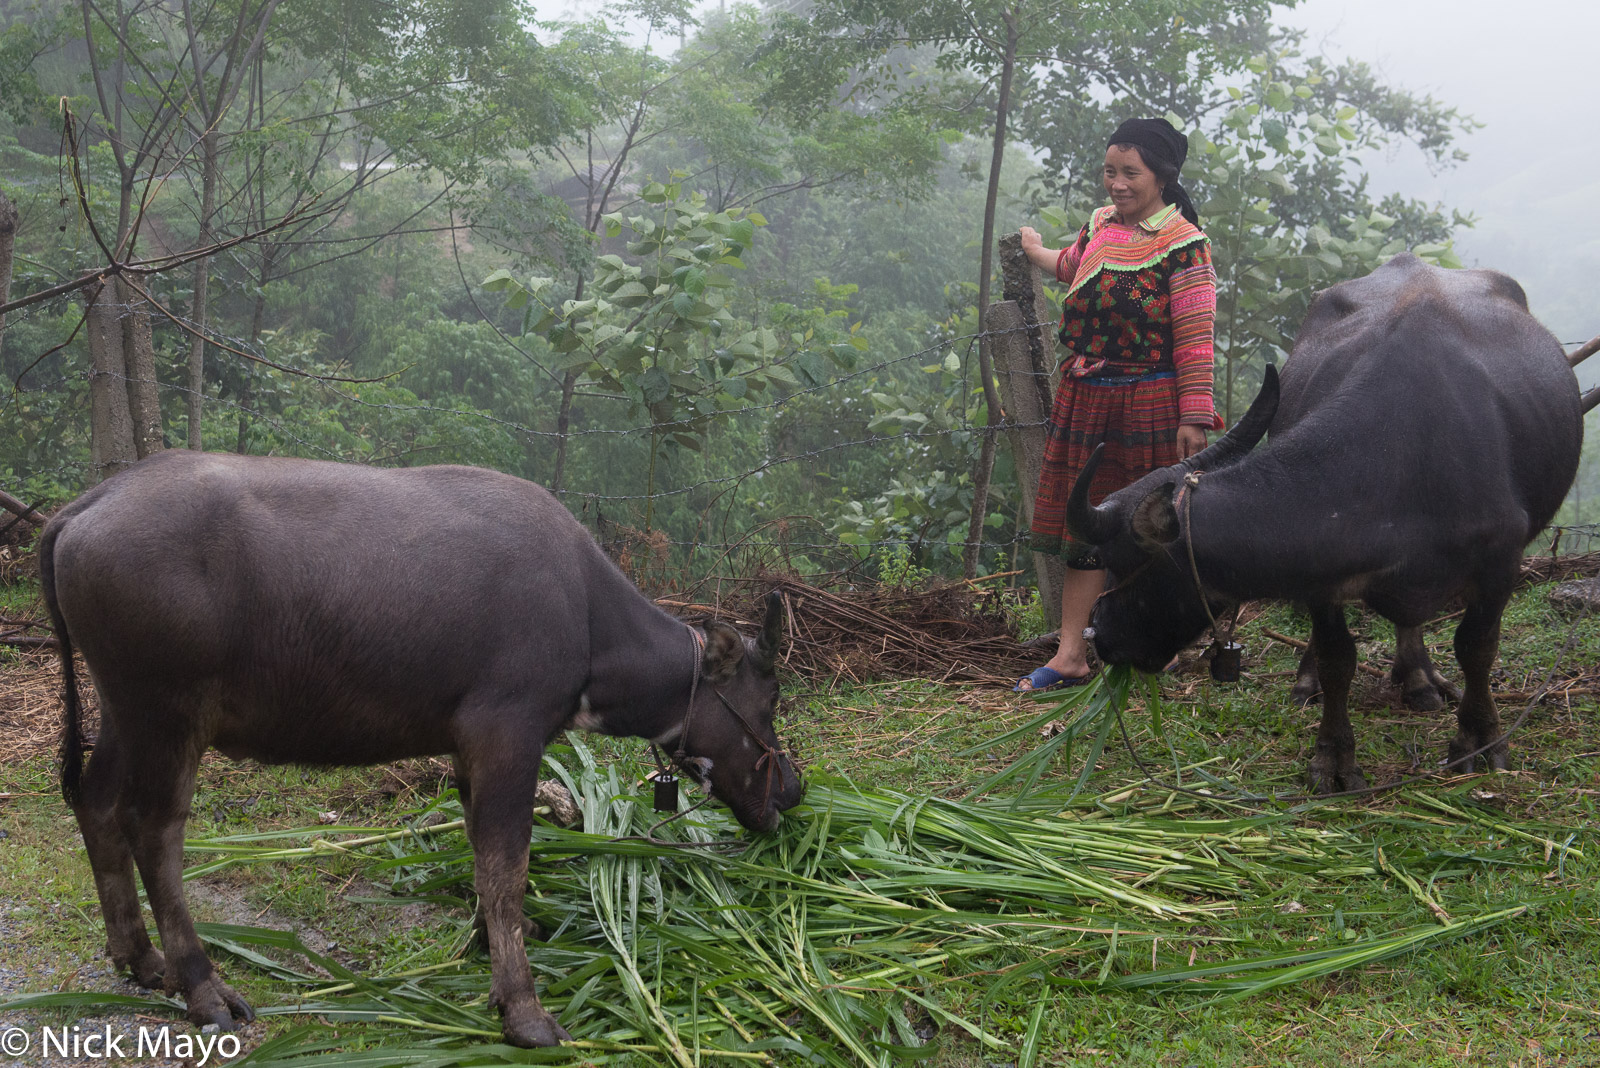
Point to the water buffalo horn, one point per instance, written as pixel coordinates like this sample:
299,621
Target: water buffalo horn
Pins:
771,639
1245,433
1086,522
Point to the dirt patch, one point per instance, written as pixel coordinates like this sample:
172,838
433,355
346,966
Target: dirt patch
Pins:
24,971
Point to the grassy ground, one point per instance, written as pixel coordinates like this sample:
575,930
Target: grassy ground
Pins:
1526,992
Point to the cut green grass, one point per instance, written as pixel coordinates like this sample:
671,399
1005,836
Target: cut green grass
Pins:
1090,918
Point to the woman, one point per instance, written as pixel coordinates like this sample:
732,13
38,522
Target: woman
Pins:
1140,305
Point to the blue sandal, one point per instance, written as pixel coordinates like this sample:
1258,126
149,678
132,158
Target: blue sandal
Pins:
1048,678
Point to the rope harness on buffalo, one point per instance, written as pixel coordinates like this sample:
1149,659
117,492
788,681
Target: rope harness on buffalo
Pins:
1221,644
666,784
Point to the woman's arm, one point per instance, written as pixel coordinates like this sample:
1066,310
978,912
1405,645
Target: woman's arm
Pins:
1063,263
1193,289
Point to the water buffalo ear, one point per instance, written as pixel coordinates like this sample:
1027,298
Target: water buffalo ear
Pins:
1155,520
724,650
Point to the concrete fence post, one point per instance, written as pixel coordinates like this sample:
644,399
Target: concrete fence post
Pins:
1025,368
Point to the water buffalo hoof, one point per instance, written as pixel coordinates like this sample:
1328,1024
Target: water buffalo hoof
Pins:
1305,691
1424,698
1492,759
214,1002
526,1024
148,968
1330,778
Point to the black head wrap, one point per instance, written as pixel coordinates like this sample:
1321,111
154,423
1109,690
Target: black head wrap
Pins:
1160,139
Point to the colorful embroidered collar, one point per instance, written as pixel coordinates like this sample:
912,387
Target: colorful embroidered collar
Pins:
1132,248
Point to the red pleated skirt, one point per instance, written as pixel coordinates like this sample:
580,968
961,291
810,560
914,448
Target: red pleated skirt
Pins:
1137,420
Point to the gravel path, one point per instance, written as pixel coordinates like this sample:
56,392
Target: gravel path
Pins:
24,972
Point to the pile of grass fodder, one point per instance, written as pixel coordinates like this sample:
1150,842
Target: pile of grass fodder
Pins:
872,924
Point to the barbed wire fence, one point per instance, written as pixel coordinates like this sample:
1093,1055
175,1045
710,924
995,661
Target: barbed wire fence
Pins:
605,508
764,542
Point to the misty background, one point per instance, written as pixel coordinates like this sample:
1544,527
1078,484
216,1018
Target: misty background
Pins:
1533,169
1525,71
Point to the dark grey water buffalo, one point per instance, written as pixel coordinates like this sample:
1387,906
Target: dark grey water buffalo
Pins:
296,611
1426,429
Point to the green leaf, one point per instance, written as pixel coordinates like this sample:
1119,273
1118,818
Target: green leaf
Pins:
655,386
630,294
812,370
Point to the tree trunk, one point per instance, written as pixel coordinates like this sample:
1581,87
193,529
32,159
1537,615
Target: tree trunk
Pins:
202,279
139,357
111,421
991,398
563,419
1025,366
257,320
8,235
569,382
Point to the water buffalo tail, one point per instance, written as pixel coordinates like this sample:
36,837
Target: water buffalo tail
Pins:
71,729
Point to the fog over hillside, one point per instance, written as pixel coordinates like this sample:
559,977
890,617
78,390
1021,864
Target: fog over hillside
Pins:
1526,72
1533,174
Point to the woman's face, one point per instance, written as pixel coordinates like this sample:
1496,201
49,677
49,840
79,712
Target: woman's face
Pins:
1132,186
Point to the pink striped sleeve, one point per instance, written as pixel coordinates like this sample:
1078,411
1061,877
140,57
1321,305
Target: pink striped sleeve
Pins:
1194,312
1071,256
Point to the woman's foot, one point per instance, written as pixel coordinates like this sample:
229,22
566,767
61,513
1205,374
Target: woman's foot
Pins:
1048,678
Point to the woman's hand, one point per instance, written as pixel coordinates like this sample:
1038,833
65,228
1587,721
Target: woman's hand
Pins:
1033,248
1191,439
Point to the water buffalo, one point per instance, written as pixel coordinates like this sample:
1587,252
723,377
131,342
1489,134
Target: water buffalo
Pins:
1426,429
319,613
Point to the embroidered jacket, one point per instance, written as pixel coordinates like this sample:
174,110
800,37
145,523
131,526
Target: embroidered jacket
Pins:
1142,299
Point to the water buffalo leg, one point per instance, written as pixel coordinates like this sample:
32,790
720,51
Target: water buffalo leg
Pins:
1307,686
127,942
1421,685
1478,723
158,796
1333,765
503,779
479,925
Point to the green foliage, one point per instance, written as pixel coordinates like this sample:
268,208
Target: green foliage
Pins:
380,423
448,84
20,44
769,343
660,332
896,569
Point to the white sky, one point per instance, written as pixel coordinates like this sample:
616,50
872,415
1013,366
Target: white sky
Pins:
1526,70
